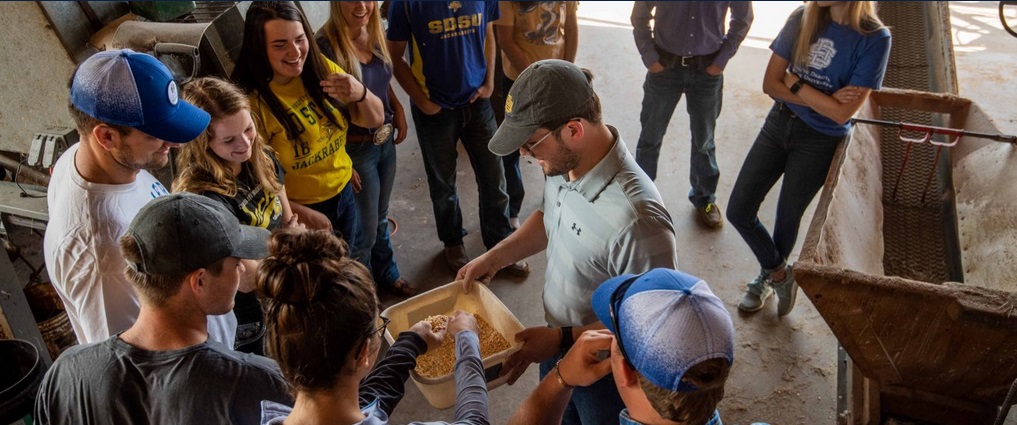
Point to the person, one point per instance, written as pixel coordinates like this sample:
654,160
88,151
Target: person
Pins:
686,52
450,85
182,255
353,37
826,60
303,104
231,164
670,342
127,109
600,217
325,331
529,31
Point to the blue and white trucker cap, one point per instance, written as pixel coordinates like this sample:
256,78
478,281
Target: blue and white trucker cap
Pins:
132,89
665,321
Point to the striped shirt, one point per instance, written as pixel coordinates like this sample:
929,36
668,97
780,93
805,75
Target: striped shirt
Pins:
609,222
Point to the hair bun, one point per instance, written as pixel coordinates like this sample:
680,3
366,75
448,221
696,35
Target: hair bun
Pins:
287,275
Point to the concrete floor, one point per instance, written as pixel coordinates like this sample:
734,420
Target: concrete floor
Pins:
785,369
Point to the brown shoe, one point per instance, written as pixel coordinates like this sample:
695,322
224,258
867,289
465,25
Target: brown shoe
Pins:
455,257
709,215
518,269
403,288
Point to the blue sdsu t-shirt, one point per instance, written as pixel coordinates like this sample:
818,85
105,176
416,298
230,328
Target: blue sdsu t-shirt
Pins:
839,57
446,44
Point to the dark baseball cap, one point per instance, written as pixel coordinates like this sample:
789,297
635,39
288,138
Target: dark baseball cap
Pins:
132,89
183,232
546,91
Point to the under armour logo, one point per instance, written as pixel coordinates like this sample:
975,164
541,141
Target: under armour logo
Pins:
577,229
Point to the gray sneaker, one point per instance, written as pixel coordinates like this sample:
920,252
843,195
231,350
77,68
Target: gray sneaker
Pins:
787,292
757,293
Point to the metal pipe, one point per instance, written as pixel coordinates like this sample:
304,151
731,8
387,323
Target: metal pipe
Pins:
39,178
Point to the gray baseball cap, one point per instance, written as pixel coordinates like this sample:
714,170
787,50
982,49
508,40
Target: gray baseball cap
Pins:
546,91
183,232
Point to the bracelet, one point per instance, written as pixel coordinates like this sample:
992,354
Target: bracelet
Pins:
557,373
567,340
362,97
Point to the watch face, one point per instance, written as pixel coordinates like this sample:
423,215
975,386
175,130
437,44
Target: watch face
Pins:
382,134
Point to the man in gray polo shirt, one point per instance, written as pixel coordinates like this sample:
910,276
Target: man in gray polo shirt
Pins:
600,217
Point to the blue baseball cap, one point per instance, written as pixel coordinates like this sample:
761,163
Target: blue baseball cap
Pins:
132,89
665,321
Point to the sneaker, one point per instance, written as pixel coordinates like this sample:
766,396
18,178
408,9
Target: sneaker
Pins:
455,257
518,269
787,292
709,215
757,293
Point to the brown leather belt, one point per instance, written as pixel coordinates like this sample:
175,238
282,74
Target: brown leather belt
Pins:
359,138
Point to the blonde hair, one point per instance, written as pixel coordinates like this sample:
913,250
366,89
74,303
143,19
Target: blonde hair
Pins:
338,33
201,170
861,17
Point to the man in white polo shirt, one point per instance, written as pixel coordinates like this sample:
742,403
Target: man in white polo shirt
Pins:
600,217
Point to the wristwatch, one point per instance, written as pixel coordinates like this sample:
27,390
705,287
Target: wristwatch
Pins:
796,86
567,340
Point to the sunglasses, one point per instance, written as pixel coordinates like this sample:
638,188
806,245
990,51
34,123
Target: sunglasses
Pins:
615,306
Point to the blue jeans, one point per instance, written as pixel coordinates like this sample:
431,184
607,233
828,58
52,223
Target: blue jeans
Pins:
785,146
703,98
438,136
376,165
341,210
597,404
513,176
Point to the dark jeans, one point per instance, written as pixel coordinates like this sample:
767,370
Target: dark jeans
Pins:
785,146
250,324
597,404
703,98
438,136
513,176
376,165
341,210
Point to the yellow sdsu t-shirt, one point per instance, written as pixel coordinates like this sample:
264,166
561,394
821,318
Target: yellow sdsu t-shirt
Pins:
317,165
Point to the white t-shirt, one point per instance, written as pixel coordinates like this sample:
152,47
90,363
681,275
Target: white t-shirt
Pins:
86,221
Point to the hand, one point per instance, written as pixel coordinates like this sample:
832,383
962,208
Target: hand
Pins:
399,122
294,223
847,94
483,92
429,108
462,321
714,70
656,68
432,338
539,343
315,220
480,269
343,87
580,366
355,181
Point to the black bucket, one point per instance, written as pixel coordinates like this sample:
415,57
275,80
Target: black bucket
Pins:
20,376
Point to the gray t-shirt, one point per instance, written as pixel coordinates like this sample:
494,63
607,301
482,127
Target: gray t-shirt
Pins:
113,382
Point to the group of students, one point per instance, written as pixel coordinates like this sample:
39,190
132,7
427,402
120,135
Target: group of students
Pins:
301,143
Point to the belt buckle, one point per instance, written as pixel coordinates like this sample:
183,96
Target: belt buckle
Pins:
687,58
382,134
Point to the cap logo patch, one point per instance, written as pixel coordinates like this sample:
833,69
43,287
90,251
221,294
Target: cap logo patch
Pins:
172,94
508,104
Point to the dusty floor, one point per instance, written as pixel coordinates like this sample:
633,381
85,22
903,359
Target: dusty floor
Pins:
785,369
